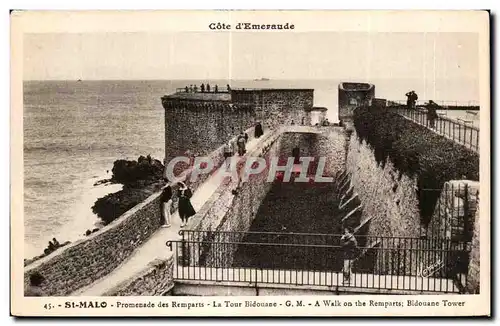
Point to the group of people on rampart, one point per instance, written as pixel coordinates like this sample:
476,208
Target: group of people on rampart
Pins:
204,88
239,143
184,194
185,207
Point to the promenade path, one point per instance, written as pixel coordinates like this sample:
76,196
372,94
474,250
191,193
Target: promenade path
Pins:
462,131
155,247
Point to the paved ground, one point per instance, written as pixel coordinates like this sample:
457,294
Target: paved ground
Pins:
314,278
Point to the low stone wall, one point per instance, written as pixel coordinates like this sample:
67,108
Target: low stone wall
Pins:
85,261
156,279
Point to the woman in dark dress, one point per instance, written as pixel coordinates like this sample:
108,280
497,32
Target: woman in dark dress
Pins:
258,130
186,210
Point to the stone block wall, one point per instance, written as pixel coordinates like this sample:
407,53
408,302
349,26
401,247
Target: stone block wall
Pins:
331,145
202,126
389,203
81,263
226,211
473,274
453,216
389,199
280,107
154,280
276,107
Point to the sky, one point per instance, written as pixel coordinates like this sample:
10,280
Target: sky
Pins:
238,55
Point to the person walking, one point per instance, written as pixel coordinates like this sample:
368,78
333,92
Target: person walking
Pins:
208,88
349,246
408,100
258,130
186,209
228,152
432,113
241,144
166,205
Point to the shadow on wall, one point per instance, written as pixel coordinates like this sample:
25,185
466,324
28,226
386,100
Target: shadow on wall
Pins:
416,152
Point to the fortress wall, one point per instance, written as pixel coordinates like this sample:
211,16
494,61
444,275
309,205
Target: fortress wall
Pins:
228,212
453,215
474,275
201,127
330,144
281,107
391,208
81,263
276,107
390,202
155,279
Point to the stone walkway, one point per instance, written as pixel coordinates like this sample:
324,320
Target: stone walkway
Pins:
155,247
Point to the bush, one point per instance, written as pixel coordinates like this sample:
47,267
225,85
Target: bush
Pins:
415,151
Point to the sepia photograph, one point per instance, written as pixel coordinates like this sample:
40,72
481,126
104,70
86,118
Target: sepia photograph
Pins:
240,155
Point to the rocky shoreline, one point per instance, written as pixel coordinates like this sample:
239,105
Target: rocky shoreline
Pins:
140,179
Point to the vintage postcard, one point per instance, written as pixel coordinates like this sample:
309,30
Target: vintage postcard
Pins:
250,163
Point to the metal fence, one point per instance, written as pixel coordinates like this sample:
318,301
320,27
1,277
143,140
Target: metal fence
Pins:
198,90
443,103
460,131
383,263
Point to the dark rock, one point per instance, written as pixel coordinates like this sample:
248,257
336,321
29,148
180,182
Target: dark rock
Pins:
140,179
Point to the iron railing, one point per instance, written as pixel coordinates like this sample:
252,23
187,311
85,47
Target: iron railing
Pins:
472,104
198,90
453,213
377,263
460,131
